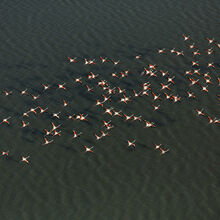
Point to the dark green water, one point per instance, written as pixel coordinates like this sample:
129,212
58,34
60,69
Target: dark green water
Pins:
115,183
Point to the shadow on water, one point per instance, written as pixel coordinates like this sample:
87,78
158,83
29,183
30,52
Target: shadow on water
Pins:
22,66
28,140
167,117
10,158
67,148
37,132
145,146
216,64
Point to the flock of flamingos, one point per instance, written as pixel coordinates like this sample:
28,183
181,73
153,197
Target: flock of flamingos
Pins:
203,79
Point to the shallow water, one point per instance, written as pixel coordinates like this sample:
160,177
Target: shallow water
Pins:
61,181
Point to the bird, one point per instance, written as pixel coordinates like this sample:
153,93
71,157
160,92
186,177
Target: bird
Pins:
98,137
211,65
173,50
107,124
114,75
131,143
64,103
92,75
137,57
89,89
24,92
86,61
47,132
168,96
33,110
98,103
209,51
56,115
188,72
91,62
62,86
163,151
190,94
83,118
204,88
192,46
197,71
164,73
103,59
7,92
4,153
128,117
195,53
106,98
120,91
200,112
165,86
88,149
136,94
46,87
179,53
116,62
195,63
156,96
75,135
186,37
210,41
25,114
207,80
47,142
104,134
109,111
78,80
35,97
24,124
156,107
193,81
117,113
25,159
216,120
5,120
72,60
149,124
161,51
157,146
176,98
42,110
211,121
137,118
152,66
55,132
54,126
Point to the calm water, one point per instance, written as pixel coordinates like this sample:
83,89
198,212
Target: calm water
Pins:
114,183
